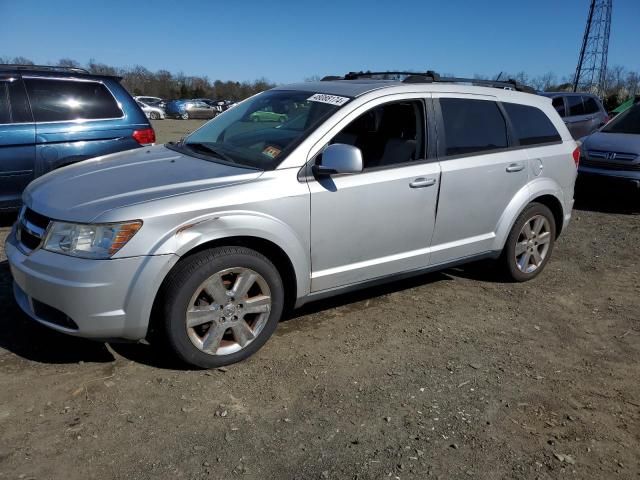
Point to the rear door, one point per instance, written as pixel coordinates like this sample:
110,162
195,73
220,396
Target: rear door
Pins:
481,174
17,142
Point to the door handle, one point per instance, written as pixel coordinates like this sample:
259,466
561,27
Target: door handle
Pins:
422,182
515,167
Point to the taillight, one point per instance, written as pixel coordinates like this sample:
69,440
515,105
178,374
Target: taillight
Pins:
145,136
576,156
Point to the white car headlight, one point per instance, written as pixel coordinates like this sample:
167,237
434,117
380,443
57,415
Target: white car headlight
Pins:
100,241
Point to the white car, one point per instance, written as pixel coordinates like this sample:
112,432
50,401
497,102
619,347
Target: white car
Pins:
153,113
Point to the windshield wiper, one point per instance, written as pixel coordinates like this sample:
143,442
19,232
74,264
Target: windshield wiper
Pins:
203,147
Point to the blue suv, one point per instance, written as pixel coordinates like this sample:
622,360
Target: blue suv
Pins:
54,116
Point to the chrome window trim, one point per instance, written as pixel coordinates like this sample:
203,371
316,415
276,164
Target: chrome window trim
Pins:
74,79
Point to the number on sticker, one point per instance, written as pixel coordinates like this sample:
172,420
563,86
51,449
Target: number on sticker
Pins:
330,99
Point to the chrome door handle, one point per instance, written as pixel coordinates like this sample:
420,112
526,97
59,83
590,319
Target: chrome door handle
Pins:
422,182
515,167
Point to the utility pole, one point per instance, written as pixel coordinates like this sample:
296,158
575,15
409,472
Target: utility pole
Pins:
592,64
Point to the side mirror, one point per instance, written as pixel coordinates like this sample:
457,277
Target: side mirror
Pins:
339,158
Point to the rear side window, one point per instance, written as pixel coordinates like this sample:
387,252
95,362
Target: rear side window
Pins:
14,107
576,107
590,105
531,125
558,104
472,126
60,100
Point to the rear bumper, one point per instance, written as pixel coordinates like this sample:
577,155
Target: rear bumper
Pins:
87,298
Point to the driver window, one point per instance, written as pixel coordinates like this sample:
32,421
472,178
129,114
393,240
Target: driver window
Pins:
389,134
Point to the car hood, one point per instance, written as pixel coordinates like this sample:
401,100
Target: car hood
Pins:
613,142
83,191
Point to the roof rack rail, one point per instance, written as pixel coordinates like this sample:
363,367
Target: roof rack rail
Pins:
432,77
45,68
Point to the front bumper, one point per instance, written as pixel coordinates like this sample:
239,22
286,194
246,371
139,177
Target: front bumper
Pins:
626,176
103,299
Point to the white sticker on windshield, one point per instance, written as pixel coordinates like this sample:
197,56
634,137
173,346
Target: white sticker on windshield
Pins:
330,99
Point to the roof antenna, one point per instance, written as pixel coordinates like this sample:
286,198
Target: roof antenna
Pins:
498,77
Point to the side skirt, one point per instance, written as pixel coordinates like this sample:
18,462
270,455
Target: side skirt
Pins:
331,292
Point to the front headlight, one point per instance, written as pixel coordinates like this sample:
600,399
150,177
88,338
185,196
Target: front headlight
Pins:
99,241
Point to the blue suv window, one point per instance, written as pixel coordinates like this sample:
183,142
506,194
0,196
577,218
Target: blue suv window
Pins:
60,100
14,107
5,113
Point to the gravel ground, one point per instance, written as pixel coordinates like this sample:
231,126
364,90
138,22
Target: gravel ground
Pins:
450,375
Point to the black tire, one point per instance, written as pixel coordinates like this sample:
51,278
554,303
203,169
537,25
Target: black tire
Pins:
183,282
185,116
508,257
154,116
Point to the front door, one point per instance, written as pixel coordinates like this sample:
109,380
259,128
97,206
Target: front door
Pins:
380,221
17,142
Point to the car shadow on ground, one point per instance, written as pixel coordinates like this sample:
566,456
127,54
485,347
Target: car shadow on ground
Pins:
607,198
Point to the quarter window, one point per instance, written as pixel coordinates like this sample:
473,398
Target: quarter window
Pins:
472,126
388,134
14,107
590,105
576,107
531,125
60,100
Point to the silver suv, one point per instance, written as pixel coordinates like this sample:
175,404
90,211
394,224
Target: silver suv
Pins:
583,113
200,245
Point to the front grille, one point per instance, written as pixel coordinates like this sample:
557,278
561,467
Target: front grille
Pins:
32,229
52,315
612,156
603,164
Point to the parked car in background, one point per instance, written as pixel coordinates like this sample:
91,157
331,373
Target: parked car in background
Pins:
54,116
583,113
152,101
153,113
217,233
186,109
268,116
216,104
613,153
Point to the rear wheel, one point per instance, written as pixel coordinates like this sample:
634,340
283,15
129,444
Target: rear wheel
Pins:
530,243
221,306
154,116
185,116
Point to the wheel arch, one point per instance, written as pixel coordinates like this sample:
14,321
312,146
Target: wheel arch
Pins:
544,191
269,249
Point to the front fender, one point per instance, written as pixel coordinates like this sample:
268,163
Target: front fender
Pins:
222,225
534,189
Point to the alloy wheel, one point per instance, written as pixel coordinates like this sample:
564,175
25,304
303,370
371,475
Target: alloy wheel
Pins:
228,311
533,243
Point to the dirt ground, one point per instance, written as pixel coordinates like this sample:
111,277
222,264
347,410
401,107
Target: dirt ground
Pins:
449,375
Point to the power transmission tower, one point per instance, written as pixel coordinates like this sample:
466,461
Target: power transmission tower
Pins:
592,64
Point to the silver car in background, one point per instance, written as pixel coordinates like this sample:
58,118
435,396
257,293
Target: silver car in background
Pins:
152,113
200,245
583,113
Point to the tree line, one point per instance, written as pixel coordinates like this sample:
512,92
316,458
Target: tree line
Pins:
139,80
621,83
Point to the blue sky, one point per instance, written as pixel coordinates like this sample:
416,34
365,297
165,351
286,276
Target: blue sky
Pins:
288,41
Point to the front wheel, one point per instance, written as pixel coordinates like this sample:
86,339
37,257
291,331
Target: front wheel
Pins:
185,116
530,243
221,306
154,116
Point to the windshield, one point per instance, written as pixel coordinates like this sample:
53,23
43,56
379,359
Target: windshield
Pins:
626,122
262,130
